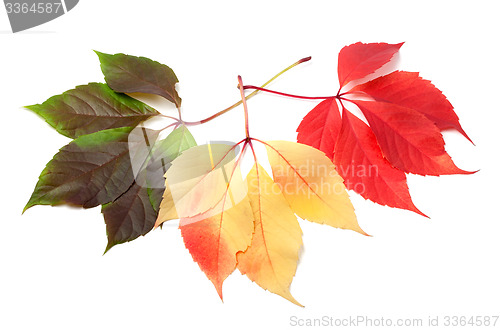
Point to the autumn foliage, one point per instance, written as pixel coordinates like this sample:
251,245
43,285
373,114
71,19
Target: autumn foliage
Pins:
365,138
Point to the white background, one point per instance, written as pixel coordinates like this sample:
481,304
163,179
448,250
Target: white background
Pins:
52,272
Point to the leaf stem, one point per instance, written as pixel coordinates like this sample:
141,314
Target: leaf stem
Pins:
289,95
169,117
340,98
245,108
220,113
180,114
253,152
338,92
175,125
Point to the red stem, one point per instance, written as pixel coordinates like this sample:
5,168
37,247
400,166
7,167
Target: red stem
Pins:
243,99
192,123
289,95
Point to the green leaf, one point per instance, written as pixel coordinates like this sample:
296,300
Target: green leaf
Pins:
91,108
131,74
91,170
134,213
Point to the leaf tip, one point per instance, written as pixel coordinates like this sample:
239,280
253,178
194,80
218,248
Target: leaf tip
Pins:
26,208
101,56
219,292
108,247
460,171
417,211
461,131
288,296
218,286
362,232
36,109
158,224
30,204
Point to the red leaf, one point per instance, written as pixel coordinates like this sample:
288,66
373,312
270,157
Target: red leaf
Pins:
358,60
360,162
409,140
403,135
321,126
409,90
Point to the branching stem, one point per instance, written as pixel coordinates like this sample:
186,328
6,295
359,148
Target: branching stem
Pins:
220,113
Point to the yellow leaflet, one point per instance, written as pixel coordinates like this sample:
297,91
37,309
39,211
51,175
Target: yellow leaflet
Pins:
167,207
271,259
311,185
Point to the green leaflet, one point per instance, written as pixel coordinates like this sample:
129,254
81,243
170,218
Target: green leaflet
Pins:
130,74
93,169
134,213
168,149
91,108
129,217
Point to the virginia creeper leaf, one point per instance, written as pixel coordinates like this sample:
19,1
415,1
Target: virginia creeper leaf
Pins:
205,180
358,60
408,139
91,108
130,74
409,90
311,185
360,162
135,212
405,117
321,127
271,259
93,169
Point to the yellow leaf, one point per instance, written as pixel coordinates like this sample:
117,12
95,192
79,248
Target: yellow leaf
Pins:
167,207
271,259
311,185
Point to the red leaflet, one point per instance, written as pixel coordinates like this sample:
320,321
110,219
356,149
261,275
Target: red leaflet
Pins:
321,126
360,162
409,90
358,60
409,140
214,241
